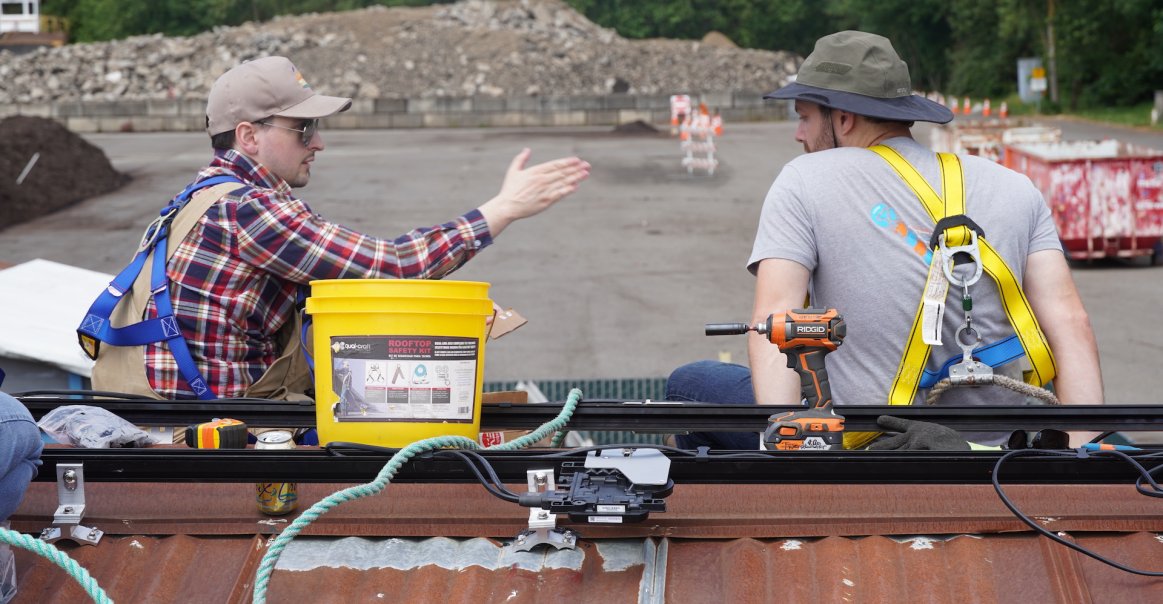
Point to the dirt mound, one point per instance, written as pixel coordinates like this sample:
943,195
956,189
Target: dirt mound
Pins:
492,48
718,40
44,167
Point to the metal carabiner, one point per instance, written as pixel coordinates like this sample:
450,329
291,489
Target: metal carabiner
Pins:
155,228
947,258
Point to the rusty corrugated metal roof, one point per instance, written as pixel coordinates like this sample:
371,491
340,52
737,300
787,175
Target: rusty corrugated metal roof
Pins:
733,543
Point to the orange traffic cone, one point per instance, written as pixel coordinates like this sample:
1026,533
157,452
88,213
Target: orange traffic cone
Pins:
985,108
1004,111
967,108
953,106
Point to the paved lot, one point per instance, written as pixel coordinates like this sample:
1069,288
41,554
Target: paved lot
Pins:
616,281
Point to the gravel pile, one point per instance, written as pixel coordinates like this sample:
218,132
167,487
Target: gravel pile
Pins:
475,47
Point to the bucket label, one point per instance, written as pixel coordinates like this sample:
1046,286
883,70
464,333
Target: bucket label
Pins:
404,378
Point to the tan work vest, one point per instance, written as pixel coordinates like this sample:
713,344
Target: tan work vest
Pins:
122,368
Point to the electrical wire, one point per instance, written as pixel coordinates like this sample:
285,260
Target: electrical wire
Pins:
495,487
1081,454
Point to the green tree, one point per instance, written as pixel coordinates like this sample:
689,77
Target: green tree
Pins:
919,29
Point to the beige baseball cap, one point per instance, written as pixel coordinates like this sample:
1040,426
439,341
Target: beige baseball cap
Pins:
264,87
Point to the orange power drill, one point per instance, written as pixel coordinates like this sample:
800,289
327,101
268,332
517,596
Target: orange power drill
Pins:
806,336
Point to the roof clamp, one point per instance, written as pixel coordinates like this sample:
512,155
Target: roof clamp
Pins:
67,519
542,523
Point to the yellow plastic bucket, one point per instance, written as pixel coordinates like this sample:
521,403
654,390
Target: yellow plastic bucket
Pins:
398,360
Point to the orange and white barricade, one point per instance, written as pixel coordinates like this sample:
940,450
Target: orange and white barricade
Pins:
680,110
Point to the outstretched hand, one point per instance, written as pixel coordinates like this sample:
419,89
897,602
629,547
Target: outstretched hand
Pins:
527,191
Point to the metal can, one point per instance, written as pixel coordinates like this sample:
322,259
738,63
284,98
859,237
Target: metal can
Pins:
276,498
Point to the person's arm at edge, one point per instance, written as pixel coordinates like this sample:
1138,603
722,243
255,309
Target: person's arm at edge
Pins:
780,285
1050,289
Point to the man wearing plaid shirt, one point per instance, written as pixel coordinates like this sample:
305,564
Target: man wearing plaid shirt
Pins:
235,280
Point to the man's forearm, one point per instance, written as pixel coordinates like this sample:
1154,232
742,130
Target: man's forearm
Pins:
774,383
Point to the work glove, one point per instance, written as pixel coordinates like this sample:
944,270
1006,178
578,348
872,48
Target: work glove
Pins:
910,435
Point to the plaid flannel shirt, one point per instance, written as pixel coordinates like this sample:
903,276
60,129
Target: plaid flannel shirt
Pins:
236,278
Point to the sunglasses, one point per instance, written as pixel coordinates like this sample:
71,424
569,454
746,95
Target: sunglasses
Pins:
306,133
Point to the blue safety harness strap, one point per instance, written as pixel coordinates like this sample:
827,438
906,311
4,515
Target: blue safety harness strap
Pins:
995,355
96,326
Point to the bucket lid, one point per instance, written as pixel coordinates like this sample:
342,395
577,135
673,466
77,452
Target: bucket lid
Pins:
425,288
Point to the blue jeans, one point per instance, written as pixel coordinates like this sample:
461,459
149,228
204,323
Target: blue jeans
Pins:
20,447
713,382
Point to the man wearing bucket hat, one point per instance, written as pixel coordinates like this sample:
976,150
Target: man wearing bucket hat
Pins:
843,224
243,248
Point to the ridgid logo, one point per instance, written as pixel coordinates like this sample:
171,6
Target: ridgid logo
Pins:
338,346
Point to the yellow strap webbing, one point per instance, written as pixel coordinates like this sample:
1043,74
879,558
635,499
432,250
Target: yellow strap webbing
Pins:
1021,317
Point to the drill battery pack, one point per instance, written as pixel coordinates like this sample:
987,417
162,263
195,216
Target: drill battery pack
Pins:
217,434
818,429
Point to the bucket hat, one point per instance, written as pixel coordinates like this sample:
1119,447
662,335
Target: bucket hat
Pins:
861,72
264,87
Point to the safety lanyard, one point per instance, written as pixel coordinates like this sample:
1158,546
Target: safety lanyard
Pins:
1017,308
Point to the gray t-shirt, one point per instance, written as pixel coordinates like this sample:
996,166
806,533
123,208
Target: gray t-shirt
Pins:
849,218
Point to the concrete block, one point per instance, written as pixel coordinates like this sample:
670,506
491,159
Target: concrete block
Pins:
652,101
41,110
407,120
452,120
556,103
162,108
440,105
534,120
362,106
482,104
587,103
503,119
390,106
82,125
604,117
194,107
569,118
8,109
523,103
107,109
625,116
749,99
114,124
348,121
619,101
67,109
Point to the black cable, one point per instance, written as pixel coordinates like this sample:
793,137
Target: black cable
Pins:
1102,437
1080,454
499,491
497,488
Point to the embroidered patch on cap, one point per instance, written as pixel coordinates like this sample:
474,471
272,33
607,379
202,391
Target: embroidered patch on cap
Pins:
836,68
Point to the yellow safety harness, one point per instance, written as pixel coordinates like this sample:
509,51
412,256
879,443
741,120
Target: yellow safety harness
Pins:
1017,308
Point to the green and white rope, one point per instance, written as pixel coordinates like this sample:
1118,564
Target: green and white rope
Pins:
267,565
76,571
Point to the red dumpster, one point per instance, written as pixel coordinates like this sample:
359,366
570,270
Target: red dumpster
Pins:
1106,196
